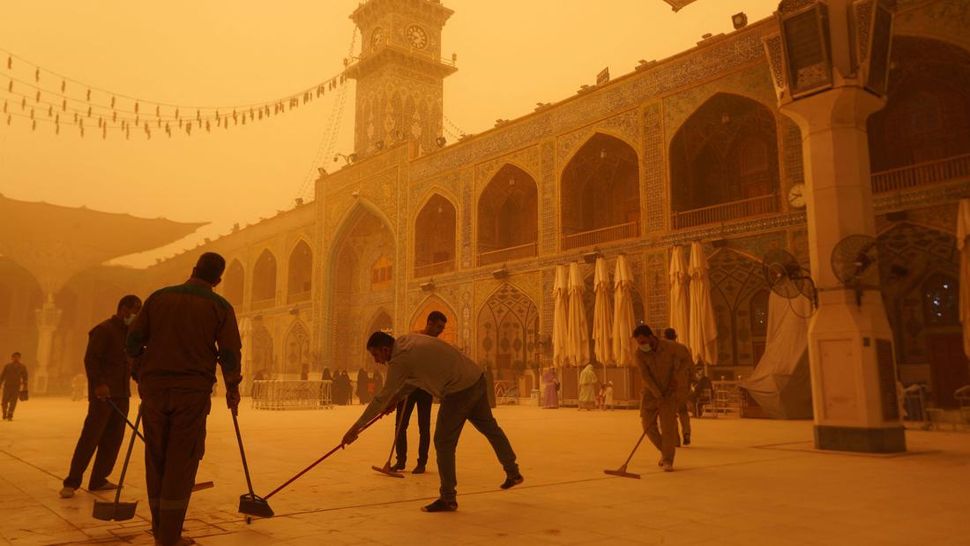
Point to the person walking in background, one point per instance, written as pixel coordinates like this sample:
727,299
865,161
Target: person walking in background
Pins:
434,325
550,393
108,377
179,337
363,384
687,378
587,387
14,381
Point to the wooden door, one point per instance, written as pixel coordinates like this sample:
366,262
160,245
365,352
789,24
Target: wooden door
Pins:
948,367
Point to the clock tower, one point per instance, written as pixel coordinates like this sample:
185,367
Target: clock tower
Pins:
399,74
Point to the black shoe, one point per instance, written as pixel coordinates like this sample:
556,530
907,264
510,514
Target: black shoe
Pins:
687,439
441,505
398,466
512,481
418,469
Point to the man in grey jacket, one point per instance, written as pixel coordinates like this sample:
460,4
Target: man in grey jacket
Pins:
417,361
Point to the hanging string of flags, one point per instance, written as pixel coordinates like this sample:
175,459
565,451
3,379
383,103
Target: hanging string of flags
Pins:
40,96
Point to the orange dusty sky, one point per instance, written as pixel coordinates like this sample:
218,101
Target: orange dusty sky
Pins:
511,55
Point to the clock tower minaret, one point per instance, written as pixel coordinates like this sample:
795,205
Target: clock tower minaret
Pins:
399,74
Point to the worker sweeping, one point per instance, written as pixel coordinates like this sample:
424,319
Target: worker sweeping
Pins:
417,361
177,339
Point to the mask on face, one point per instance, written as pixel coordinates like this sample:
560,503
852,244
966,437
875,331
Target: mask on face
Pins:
129,319
646,348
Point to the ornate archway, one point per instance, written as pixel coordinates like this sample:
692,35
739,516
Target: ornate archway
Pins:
297,347
233,282
508,225
264,281
508,328
434,237
299,273
739,295
726,152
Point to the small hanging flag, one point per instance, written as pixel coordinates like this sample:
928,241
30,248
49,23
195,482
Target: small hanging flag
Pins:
33,125
136,107
89,111
176,113
9,66
37,75
112,102
158,111
50,111
63,86
89,95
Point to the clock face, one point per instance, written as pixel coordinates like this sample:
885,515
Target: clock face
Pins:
377,37
796,196
417,37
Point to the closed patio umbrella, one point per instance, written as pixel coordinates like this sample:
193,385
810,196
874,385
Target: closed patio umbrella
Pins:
963,232
602,313
578,333
703,327
623,321
560,317
679,300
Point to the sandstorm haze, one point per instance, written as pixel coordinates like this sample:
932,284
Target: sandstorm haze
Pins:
511,55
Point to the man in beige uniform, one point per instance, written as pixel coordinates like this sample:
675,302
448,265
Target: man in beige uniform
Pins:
661,364
417,361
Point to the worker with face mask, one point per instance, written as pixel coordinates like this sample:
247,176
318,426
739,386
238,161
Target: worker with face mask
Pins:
662,364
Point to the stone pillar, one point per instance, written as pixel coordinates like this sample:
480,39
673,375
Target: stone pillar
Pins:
48,317
850,344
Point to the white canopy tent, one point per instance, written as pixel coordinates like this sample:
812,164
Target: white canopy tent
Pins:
781,382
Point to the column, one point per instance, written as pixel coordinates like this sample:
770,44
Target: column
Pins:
48,317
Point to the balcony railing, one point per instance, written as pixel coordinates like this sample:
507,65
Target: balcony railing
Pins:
501,255
264,303
927,172
602,235
437,268
754,206
298,297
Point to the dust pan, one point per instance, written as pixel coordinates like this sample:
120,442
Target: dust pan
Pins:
114,511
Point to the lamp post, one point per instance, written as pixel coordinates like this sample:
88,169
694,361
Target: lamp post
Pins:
830,63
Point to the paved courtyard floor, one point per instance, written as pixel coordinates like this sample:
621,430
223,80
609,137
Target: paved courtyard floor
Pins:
742,482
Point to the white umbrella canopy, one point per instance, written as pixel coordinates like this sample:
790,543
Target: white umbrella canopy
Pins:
602,314
963,232
578,336
679,301
623,321
702,338
560,317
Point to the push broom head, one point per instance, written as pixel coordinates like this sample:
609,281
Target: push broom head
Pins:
114,511
621,472
254,505
387,471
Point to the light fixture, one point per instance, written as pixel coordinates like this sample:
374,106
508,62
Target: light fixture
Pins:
500,273
740,20
440,141
428,286
603,153
590,257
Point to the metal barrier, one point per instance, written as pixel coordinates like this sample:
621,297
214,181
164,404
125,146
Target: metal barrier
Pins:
291,394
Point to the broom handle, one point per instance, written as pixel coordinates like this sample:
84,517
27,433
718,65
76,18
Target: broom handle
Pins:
398,419
634,450
321,459
124,467
121,413
242,453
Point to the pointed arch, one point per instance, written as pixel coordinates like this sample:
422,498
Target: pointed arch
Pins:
299,273
435,228
297,359
600,193
233,283
508,216
927,114
264,280
739,295
435,303
725,152
508,328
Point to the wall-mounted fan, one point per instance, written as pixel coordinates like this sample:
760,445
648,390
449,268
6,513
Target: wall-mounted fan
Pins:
855,263
786,277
